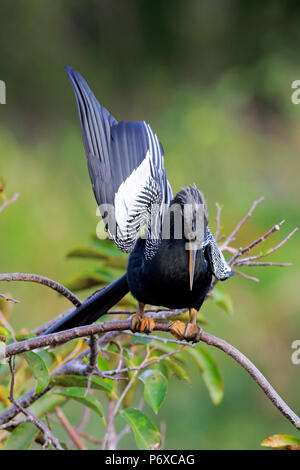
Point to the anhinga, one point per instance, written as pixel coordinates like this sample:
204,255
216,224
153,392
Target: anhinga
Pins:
172,263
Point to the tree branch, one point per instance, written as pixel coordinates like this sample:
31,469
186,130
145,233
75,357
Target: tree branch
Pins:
44,281
123,325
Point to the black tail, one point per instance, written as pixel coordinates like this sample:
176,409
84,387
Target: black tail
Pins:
94,307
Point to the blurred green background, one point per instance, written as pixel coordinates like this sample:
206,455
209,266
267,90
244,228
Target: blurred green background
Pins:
213,78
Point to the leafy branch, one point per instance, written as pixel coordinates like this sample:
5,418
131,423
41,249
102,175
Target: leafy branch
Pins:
80,368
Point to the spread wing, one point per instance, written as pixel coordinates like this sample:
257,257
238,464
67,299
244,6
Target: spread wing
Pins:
126,167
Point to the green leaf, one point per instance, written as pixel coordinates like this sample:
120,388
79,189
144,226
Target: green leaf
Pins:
79,395
282,442
6,307
155,388
48,357
145,432
177,370
85,281
141,340
104,365
221,298
5,335
21,437
82,381
107,248
105,273
24,337
120,262
2,348
86,252
46,403
38,369
162,367
127,301
210,373
168,348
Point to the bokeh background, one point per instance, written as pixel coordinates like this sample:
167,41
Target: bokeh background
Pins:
213,78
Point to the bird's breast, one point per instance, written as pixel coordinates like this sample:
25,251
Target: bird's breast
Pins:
164,279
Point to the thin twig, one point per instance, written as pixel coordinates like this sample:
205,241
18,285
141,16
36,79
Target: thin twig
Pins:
45,281
48,435
69,428
131,381
110,433
90,438
9,299
93,360
272,250
231,237
250,278
15,423
261,263
160,338
144,365
7,325
261,239
218,221
8,202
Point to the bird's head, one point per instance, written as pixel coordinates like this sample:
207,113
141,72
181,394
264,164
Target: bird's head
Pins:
192,207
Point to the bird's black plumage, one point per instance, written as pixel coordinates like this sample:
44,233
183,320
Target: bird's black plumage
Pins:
173,263
164,279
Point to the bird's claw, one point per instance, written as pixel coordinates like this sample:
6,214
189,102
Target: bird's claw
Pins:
142,324
184,331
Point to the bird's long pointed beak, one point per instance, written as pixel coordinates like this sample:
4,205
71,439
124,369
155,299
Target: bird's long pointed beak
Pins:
192,261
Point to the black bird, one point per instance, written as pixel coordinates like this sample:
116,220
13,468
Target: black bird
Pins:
173,254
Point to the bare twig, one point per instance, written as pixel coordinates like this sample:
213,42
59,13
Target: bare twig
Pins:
69,428
14,423
48,435
90,438
7,325
110,436
160,338
45,281
261,263
144,364
232,235
261,239
130,383
94,350
91,367
272,250
250,278
110,432
218,221
9,299
84,419
8,202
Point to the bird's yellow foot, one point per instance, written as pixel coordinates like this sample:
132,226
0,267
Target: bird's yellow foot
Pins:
184,331
142,324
